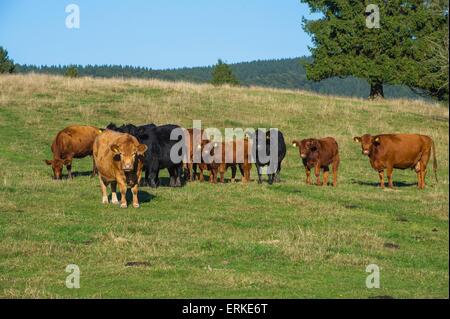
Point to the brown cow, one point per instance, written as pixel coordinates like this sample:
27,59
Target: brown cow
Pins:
119,159
319,154
402,151
73,142
190,167
234,154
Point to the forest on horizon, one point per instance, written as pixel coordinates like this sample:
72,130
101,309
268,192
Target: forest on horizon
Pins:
287,73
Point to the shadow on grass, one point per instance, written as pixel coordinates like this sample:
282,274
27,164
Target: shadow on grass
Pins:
143,196
377,184
77,174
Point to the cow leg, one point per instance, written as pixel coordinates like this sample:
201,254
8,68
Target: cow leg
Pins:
201,177
94,168
424,173
123,194
317,174
187,173
194,172
326,172
249,169
421,172
134,190
277,174
190,176
308,175
233,173
259,170
381,176
172,174
104,190
157,178
222,169
390,170
178,170
271,178
241,169
114,199
69,170
335,167
213,176
146,179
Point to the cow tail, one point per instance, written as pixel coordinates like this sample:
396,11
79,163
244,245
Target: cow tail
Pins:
434,161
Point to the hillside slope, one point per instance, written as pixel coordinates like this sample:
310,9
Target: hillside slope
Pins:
278,73
232,240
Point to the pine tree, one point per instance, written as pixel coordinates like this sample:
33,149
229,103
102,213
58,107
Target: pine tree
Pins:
345,45
6,64
222,74
71,72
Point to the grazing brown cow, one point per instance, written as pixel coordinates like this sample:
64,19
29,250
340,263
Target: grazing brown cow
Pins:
234,154
119,159
190,167
72,142
319,154
402,151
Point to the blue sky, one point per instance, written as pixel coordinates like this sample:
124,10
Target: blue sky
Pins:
153,33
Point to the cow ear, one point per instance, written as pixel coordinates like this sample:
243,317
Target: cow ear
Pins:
142,148
315,144
357,139
48,162
295,143
115,149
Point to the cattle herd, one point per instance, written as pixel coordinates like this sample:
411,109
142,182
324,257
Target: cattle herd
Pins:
121,154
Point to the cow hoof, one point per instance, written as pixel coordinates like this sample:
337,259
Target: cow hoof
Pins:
105,200
123,205
115,202
136,205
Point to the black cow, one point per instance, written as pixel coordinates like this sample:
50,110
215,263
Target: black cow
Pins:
273,161
157,157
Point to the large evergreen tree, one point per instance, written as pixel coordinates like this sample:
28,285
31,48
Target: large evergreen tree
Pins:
432,59
344,45
6,64
222,74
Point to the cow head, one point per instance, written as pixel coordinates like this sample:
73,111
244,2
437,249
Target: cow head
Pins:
57,166
307,146
127,154
367,142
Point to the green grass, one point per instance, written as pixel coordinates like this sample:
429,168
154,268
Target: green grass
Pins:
287,240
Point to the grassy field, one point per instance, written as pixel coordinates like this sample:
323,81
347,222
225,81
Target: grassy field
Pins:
287,240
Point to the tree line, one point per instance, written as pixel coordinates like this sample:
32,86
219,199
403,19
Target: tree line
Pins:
280,73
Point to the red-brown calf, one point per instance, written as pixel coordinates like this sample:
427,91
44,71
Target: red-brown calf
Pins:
319,154
72,142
